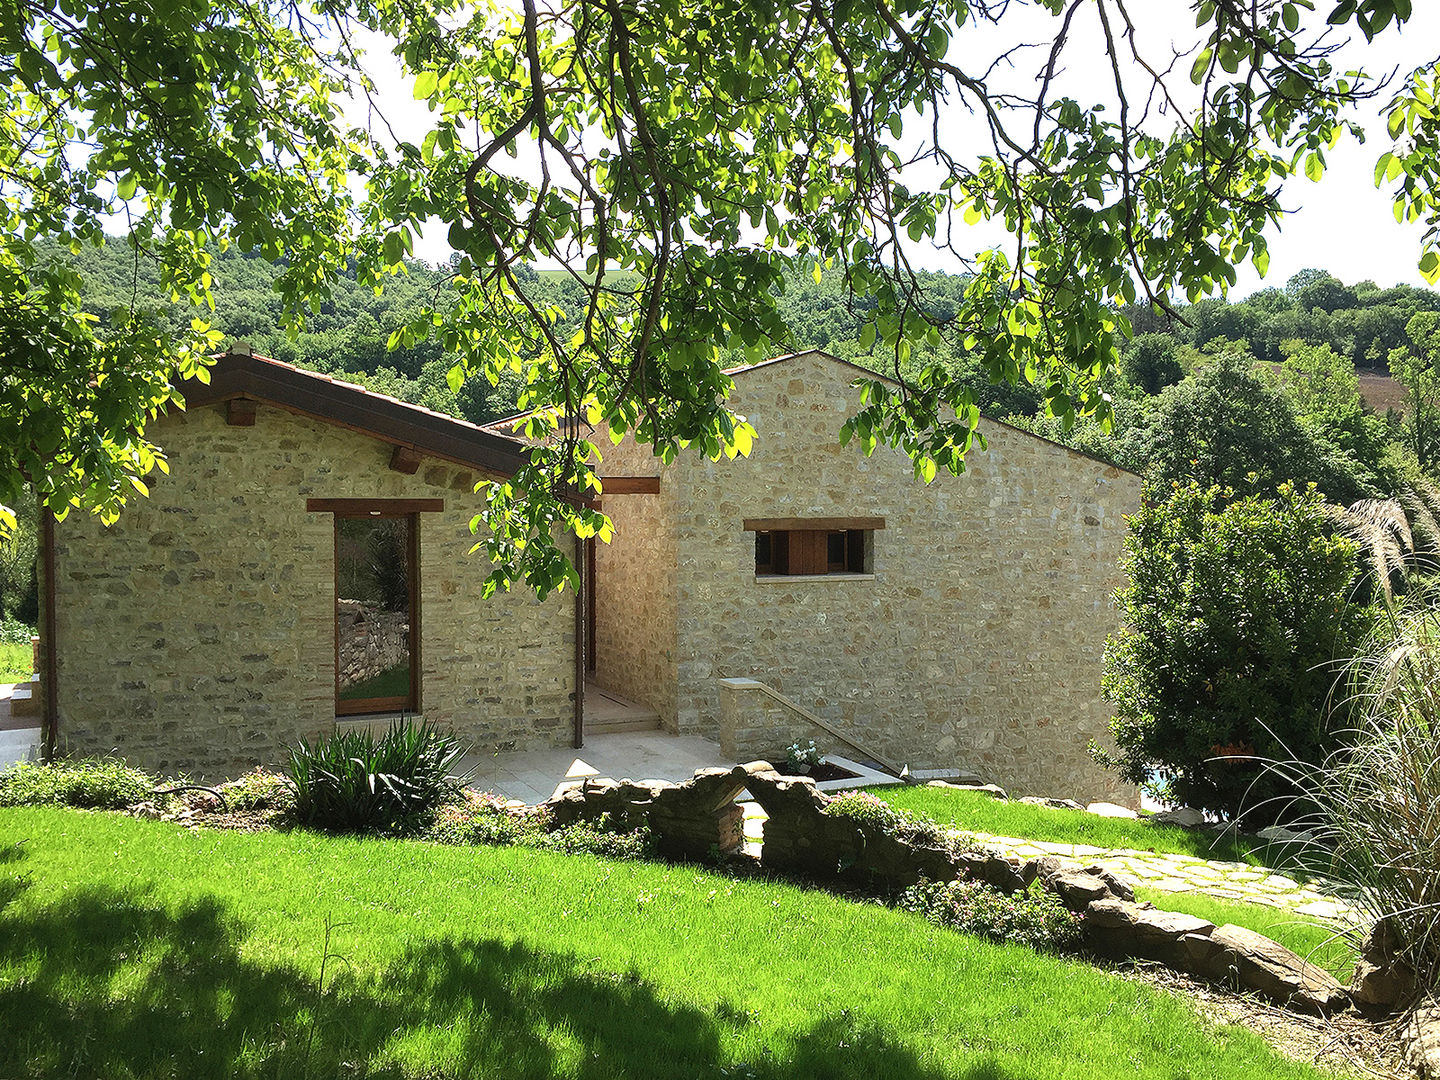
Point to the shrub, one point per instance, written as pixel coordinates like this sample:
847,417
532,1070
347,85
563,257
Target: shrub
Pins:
868,809
1037,919
354,782
92,784
483,818
602,837
14,632
477,818
1231,620
259,789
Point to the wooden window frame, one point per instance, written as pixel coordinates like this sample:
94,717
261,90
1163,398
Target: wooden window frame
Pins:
366,509
807,547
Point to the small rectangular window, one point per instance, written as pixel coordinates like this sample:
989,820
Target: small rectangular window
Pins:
813,546
780,552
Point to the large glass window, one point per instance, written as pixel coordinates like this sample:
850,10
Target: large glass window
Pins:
376,618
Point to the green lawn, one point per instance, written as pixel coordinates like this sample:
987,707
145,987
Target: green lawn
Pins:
978,812
392,682
15,662
139,949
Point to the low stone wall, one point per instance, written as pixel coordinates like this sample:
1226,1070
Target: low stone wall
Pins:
699,817
371,641
693,820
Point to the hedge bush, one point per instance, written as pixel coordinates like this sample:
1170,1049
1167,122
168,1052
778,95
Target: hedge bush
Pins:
1036,919
1233,618
90,784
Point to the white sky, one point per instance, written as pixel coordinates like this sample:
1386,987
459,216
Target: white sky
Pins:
1343,224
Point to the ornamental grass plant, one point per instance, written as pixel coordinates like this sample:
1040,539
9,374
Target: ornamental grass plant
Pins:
1375,803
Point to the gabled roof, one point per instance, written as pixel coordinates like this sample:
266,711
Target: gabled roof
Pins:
869,374
238,374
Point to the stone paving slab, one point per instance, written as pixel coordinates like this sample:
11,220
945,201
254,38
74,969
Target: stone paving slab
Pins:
1176,873
1168,872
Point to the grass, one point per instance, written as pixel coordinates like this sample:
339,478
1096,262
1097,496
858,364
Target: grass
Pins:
392,682
1314,941
141,949
981,813
977,812
15,662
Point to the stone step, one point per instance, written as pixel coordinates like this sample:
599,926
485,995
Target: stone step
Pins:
622,724
608,713
25,698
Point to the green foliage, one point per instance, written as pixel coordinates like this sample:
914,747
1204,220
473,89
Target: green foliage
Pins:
19,585
16,662
869,810
483,818
354,782
260,789
1223,427
595,838
1376,796
1324,391
1149,362
681,163
194,122
14,632
1037,919
1232,619
91,783
1416,364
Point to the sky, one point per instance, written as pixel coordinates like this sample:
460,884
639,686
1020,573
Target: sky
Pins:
1343,224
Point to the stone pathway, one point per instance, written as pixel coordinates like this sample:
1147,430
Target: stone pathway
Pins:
1164,873
1190,873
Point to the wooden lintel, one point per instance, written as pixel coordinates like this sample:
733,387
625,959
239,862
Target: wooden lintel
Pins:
379,507
406,459
825,524
630,485
240,412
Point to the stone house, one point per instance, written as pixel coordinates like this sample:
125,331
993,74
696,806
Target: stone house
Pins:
304,566
956,624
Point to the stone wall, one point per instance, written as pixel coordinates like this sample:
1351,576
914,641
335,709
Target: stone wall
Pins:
634,590
756,726
370,641
977,640
198,632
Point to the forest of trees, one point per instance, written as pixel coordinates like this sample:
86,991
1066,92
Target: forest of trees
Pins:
1244,394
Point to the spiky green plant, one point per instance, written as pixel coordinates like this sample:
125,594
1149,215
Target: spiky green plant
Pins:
354,782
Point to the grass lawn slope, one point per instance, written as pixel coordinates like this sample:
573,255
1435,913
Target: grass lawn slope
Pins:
139,949
979,812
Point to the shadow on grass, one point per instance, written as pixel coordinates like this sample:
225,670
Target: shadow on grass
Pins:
108,983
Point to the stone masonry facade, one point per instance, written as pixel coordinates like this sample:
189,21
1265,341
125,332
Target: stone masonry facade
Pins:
634,592
197,634
975,643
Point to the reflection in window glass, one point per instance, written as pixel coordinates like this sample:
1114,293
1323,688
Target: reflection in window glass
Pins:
373,613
